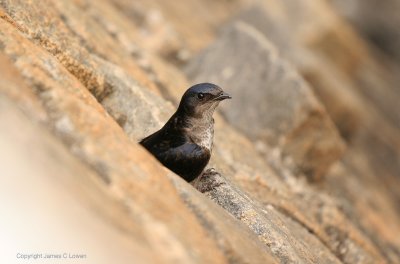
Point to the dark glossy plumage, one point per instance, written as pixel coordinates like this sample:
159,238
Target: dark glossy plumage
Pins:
184,143
176,151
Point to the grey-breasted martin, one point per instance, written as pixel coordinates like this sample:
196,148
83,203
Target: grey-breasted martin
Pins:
185,142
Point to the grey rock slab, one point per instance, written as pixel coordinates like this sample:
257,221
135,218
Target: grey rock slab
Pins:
287,239
271,101
239,244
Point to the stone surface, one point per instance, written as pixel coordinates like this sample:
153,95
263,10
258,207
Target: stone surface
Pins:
296,121
68,97
238,243
173,29
357,86
290,242
39,177
276,185
365,204
80,37
330,56
96,139
82,81
313,210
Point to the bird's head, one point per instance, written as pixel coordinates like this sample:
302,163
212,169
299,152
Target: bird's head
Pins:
201,100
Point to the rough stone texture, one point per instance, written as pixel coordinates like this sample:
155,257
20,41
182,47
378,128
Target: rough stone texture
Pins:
173,29
314,211
81,81
75,35
79,121
286,239
40,176
276,185
238,244
95,138
365,204
327,51
359,92
285,112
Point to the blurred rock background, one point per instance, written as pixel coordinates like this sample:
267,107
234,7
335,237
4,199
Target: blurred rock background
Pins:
307,153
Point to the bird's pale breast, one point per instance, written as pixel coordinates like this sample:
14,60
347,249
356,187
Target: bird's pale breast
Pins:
202,134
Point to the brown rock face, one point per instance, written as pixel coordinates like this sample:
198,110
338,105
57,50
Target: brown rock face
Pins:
96,139
82,81
46,181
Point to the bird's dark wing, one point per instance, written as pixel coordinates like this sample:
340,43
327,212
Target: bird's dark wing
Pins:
152,140
187,160
176,151
169,136
162,141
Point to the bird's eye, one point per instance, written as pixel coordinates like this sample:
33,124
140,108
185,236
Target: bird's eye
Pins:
200,95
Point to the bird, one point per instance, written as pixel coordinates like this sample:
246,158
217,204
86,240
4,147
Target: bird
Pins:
184,144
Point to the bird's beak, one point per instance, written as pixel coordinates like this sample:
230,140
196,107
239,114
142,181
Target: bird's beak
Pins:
223,96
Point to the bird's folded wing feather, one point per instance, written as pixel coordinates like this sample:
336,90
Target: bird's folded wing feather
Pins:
188,153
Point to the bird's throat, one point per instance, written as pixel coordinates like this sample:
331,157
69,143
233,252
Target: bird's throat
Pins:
201,131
